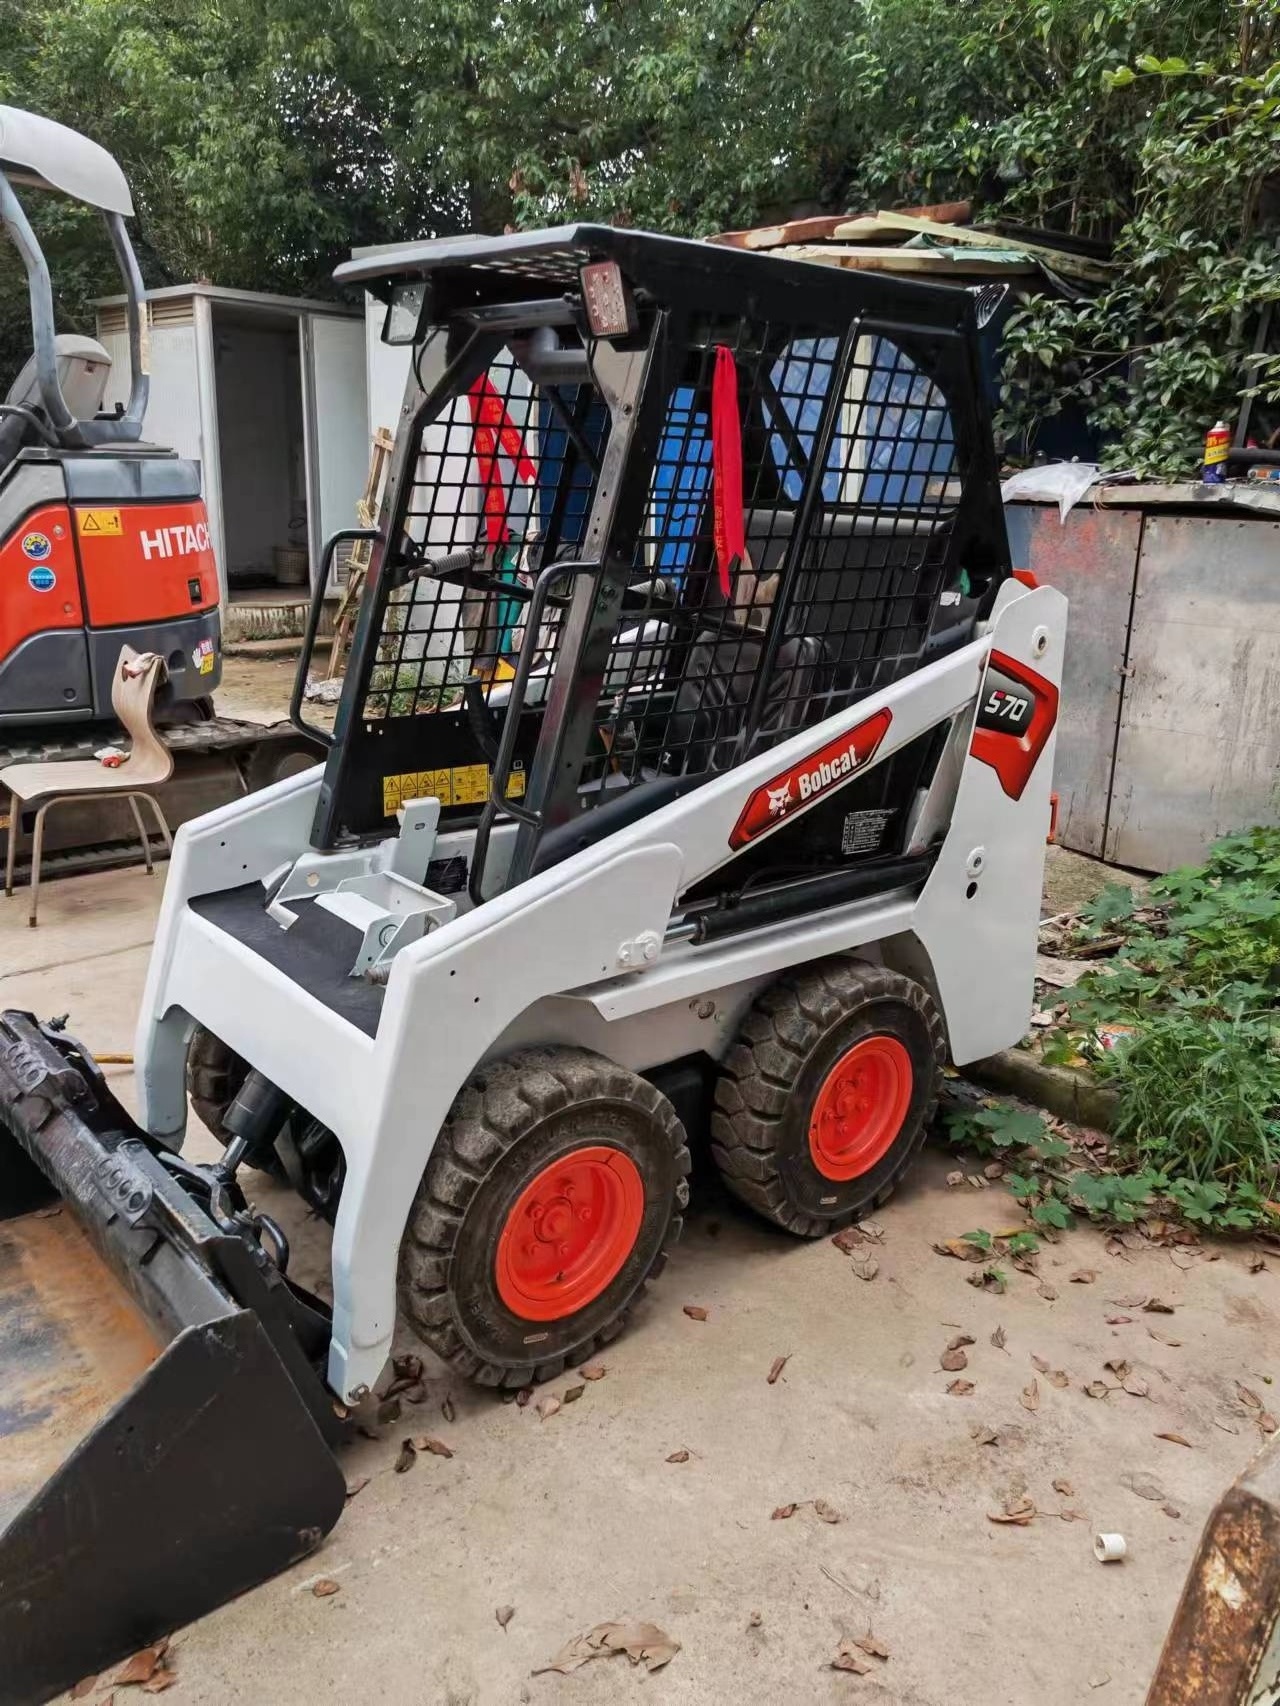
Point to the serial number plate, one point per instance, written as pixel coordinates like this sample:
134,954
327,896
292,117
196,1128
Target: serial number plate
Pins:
463,785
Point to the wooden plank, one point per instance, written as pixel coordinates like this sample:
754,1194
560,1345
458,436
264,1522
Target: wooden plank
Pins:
936,262
823,227
1073,266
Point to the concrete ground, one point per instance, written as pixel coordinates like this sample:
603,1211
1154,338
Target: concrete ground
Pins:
581,1518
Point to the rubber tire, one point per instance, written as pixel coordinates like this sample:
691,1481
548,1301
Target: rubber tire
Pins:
510,1120
272,760
214,1076
788,1042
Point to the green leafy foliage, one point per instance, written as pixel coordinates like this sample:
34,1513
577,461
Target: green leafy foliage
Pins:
264,140
980,1239
1188,1007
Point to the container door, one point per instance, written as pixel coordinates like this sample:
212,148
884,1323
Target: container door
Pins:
338,448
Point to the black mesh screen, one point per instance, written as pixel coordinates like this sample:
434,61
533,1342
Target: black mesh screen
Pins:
844,563
511,467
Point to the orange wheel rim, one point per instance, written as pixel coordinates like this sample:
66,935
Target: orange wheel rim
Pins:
568,1233
860,1108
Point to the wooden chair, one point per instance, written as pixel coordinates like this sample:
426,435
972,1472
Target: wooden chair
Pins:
148,764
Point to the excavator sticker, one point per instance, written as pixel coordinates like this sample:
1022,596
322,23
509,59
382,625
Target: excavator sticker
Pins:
36,546
106,522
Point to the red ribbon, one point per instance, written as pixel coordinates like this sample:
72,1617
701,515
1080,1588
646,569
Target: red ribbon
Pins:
726,465
494,431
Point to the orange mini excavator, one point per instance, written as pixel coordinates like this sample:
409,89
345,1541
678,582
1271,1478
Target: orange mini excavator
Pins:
104,540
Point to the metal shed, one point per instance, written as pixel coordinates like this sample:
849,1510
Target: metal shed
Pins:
267,394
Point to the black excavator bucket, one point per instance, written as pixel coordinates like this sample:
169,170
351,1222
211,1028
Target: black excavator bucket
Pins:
165,1439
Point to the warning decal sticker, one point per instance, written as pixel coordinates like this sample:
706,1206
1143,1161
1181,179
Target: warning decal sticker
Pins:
104,522
464,785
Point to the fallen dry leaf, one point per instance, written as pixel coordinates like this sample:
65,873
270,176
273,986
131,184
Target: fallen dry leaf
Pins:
977,1182
1058,1377
960,1388
1025,1264
358,1485
961,1249
1096,1388
1145,1486
325,1588
1157,1306
406,1457
953,1360
1256,1264
437,1447
696,1312
504,1614
1250,1400
849,1658
85,1686
1048,1292
960,1341
987,1280
1118,1367
954,1179
1029,1397
866,1267
593,1371
981,1434
1163,1338
994,1170
872,1231
1175,1439
1020,1512
1267,1422
1113,1247
1064,1488
825,1512
1136,1385
872,1644
849,1238
447,1410
164,1678
782,1512
1039,1364
573,1393
776,1368
681,1456
1120,1321
388,1411
1068,1515
1226,1424
548,1407
1084,1276
523,1396
643,1643
998,1338
1138,1302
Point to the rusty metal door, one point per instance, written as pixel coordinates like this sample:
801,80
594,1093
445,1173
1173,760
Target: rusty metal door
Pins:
1199,732
1092,559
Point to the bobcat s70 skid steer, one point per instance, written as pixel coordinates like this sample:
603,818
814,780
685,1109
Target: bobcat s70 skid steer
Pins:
690,784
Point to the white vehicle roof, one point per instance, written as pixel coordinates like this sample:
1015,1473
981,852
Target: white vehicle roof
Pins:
35,150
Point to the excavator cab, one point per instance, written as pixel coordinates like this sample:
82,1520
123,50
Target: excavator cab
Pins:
104,540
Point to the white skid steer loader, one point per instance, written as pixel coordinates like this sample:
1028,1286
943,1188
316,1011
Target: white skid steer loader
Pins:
690,784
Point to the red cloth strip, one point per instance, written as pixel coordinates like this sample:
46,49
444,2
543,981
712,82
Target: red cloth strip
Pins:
726,465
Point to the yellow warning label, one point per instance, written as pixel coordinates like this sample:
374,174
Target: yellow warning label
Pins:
464,785
105,522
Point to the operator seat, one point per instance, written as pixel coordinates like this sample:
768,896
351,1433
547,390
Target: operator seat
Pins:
84,368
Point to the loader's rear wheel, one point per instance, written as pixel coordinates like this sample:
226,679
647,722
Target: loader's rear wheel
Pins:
554,1190
826,1095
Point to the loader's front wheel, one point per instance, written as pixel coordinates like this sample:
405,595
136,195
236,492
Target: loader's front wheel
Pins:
554,1190
826,1095
215,1075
